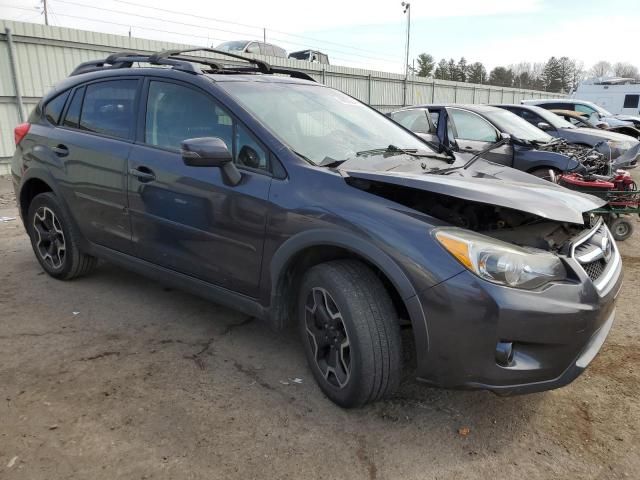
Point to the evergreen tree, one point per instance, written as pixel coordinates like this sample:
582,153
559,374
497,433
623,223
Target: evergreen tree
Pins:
501,77
462,70
551,75
476,73
426,64
442,70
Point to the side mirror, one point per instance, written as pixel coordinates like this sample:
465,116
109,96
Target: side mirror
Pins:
211,152
504,136
544,126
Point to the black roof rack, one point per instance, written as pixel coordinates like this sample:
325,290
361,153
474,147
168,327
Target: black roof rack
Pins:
178,61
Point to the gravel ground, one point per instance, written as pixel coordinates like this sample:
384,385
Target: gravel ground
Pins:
115,376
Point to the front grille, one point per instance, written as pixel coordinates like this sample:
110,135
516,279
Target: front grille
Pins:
595,251
594,269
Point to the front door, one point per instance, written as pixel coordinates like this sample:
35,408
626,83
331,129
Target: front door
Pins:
186,218
473,134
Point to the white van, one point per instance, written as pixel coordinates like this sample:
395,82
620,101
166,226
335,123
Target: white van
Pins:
617,95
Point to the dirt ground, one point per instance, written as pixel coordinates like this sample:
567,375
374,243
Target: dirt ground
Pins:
115,376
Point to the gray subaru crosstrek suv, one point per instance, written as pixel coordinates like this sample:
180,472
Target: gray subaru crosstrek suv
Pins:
303,207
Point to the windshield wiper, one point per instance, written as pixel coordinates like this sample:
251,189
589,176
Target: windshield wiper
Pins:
473,159
394,150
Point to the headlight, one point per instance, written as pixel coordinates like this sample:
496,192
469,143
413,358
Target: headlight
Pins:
500,262
620,145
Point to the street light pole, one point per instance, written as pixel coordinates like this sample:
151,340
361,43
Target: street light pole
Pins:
46,12
407,10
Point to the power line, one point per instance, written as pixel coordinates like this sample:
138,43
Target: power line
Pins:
149,17
304,37
164,31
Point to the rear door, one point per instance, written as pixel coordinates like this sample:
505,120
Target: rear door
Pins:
473,134
93,140
186,218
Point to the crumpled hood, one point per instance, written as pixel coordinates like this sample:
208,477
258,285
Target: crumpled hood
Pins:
493,184
600,135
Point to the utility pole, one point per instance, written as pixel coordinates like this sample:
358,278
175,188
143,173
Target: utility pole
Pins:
264,35
407,10
46,12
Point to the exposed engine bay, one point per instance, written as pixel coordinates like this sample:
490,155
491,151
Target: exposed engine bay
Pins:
593,160
510,225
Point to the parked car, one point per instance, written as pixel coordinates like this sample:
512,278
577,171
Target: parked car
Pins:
252,46
299,205
473,128
583,120
623,150
310,56
596,112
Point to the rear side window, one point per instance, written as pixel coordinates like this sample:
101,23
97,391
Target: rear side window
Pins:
557,106
72,117
631,101
414,120
108,108
53,110
267,49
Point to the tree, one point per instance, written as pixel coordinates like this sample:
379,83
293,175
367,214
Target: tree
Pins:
601,69
566,67
476,73
501,77
426,64
578,73
551,75
442,70
462,70
626,70
452,69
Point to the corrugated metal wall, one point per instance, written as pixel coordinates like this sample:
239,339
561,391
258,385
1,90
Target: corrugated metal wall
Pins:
45,55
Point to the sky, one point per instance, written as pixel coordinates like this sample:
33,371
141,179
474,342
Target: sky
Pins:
370,34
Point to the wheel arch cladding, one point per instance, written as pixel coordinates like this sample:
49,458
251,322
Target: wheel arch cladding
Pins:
310,248
30,188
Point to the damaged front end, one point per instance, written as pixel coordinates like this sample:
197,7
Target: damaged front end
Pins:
590,158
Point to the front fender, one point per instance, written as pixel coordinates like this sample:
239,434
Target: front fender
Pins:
527,159
359,246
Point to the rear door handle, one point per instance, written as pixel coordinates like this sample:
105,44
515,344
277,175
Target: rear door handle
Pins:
144,174
60,150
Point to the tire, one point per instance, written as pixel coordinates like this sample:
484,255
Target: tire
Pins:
55,240
544,173
357,312
621,228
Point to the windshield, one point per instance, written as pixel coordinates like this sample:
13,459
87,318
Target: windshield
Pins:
321,124
236,46
515,126
552,119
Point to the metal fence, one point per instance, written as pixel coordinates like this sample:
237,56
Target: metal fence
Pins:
39,56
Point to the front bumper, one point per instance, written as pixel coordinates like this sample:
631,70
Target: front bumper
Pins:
554,333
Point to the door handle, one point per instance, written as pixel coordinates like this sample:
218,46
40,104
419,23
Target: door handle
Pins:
60,150
468,147
144,174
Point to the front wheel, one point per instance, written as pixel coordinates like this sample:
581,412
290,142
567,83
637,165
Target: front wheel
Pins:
621,228
350,332
549,174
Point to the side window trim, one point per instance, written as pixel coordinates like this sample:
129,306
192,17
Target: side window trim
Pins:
142,116
66,93
68,106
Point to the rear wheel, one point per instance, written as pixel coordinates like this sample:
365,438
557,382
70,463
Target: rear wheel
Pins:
350,332
55,240
621,228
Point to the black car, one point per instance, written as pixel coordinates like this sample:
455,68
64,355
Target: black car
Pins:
301,206
623,150
474,128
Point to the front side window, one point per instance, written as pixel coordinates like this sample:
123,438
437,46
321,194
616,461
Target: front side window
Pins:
415,120
109,108
517,127
54,108
234,46
176,113
470,126
321,124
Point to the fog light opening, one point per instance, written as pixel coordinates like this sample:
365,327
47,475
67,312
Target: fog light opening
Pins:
504,353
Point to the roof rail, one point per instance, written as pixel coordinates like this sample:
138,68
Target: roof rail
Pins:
185,63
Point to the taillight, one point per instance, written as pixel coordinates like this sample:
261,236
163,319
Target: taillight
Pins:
20,131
